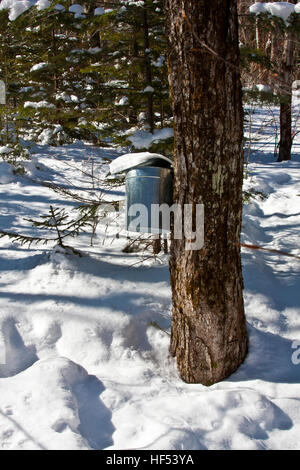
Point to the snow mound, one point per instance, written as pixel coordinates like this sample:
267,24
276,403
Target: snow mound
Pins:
17,356
33,167
192,425
49,393
6,173
65,258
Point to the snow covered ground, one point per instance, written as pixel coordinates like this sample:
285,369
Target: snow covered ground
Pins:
81,364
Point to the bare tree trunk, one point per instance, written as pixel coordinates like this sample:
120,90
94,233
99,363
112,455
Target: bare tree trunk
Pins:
258,31
54,52
147,70
133,80
286,140
209,337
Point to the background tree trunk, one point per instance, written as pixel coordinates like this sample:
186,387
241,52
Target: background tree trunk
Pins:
209,337
287,66
285,144
148,72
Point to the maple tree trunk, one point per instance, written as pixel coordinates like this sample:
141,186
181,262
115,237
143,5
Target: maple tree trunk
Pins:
208,336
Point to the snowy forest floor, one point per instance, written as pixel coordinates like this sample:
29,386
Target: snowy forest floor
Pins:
83,365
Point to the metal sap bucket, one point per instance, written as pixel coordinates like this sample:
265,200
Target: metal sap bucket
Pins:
146,188
149,182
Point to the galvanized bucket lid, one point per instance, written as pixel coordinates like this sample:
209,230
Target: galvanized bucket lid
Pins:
135,160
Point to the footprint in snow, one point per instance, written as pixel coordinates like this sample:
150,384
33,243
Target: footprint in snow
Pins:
15,355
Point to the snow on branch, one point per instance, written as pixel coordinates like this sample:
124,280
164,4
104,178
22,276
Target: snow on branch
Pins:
282,10
17,7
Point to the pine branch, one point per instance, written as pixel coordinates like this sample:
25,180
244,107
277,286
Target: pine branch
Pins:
25,239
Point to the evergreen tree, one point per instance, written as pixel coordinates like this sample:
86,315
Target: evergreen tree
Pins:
63,100
10,44
133,53
86,72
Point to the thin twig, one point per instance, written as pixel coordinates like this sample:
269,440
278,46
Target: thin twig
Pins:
271,250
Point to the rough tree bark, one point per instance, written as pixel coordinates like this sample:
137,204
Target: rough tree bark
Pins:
286,75
209,337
